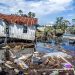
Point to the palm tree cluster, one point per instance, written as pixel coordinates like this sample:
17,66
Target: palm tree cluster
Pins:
30,14
61,24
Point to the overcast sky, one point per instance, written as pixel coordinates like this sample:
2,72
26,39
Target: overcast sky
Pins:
46,10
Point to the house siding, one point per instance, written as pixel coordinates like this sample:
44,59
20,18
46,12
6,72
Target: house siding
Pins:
2,30
16,31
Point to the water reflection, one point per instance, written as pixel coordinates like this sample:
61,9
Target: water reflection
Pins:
68,47
45,48
52,47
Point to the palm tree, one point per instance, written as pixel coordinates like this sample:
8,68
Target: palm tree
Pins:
60,27
61,24
65,24
30,14
20,12
33,15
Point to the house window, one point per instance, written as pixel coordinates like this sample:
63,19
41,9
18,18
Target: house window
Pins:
24,29
7,29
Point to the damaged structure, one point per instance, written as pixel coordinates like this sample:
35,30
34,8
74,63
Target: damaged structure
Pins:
17,27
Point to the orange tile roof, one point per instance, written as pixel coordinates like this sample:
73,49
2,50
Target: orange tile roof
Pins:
19,19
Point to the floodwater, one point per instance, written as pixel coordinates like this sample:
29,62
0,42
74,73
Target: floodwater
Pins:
69,47
45,48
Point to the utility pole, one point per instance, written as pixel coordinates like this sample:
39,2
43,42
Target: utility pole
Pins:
6,53
35,40
35,37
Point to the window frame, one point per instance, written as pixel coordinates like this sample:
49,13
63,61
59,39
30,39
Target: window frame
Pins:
25,29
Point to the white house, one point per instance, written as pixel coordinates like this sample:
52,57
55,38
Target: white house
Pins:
15,26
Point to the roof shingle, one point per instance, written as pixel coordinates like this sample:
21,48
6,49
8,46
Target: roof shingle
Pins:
19,19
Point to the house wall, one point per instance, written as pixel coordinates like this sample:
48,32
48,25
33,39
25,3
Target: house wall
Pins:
16,31
2,29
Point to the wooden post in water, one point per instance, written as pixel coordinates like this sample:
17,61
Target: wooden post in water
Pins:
35,42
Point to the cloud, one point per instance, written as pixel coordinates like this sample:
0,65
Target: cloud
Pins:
40,7
4,5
